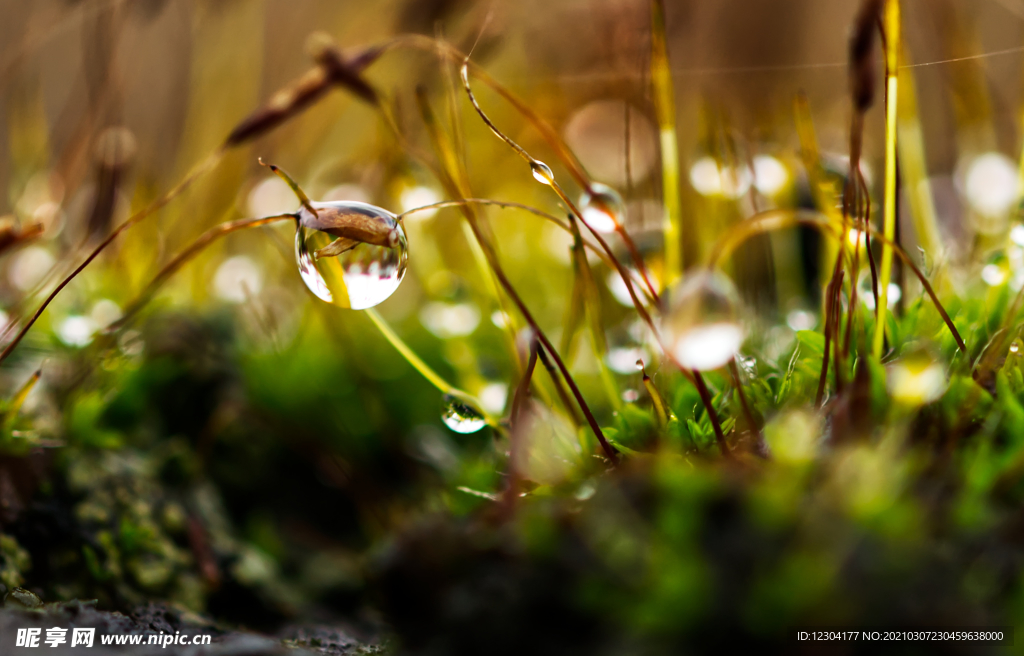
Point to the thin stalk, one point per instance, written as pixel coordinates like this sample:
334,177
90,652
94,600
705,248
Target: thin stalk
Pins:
665,109
914,166
705,397
747,413
892,49
422,367
661,411
837,324
184,256
452,174
782,219
837,278
525,311
559,387
499,273
596,250
549,134
519,400
198,171
544,175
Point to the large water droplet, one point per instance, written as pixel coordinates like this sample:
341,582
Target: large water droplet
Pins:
602,208
460,416
351,254
701,327
542,172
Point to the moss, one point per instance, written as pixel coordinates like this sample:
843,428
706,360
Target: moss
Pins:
14,562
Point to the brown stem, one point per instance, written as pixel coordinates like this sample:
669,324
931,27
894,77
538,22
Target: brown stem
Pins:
499,273
829,316
184,256
747,413
705,397
522,393
556,380
837,325
786,219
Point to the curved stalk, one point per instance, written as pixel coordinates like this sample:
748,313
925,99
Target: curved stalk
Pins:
198,171
782,219
184,256
422,367
224,229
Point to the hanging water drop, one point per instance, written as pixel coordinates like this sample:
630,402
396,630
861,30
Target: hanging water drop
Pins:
460,416
602,208
542,172
350,254
1015,347
701,328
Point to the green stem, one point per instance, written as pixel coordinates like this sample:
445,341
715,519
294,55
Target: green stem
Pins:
665,108
419,365
892,49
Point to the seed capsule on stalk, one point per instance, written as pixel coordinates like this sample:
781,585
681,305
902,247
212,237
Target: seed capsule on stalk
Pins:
349,253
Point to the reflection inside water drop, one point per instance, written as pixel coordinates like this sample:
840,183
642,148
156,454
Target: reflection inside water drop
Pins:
542,172
460,416
349,273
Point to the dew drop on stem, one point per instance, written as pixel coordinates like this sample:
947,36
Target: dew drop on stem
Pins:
350,254
542,172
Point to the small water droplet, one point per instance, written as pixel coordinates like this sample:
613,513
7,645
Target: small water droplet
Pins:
542,172
602,208
460,416
702,326
1015,346
639,365
358,277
